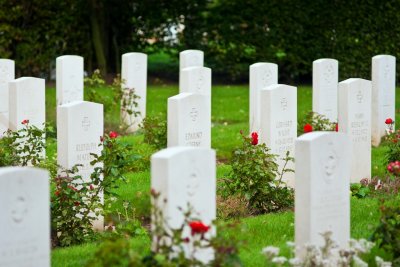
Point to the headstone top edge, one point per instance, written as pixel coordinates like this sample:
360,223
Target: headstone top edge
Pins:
173,151
279,86
323,60
309,137
25,78
7,170
187,69
134,54
191,51
6,60
70,56
263,64
78,103
384,56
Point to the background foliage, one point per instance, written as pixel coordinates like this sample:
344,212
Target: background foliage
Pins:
233,34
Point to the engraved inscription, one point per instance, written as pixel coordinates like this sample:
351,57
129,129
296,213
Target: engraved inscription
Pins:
359,128
284,139
193,138
85,124
194,114
284,103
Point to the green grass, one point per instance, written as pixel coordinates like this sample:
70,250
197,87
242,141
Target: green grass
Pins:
229,116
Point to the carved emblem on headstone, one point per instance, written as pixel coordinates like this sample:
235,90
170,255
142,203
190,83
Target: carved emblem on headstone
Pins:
266,77
19,209
193,184
200,81
329,164
3,74
386,71
328,73
194,114
85,124
359,96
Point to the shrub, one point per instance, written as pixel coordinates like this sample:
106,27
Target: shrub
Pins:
115,160
155,132
168,246
316,122
72,206
255,177
359,190
23,147
387,234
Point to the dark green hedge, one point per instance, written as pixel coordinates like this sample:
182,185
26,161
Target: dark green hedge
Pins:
232,33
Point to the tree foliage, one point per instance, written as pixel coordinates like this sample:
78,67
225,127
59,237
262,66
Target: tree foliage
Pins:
232,33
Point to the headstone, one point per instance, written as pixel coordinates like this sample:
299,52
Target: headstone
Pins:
69,79
261,76
325,87
196,80
25,217
189,120
27,102
189,58
383,94
186,176
134,76
278,124
7,74
79,128
354,119
322,201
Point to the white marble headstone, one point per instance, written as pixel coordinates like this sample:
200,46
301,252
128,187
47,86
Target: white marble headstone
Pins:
79,128
134,76
25,217
196,80
189,120
27,102
383,94
261,75
69,79
189,58
7,74
322,200
182,176
354,119
278,123
325,87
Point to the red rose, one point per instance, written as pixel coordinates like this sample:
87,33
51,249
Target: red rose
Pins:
91,187
308,128
57,193
101,138
25,122
113,135
389,121
254,138
337,127
198,227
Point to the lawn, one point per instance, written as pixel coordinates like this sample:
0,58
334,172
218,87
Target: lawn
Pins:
229,116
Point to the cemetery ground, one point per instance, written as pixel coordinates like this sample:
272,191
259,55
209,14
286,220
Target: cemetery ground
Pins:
229,116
